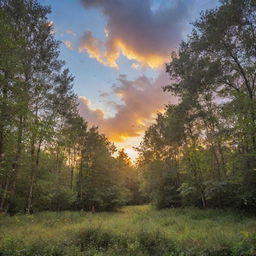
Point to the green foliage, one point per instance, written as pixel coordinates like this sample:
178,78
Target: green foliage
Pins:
49,158
209,136
160,183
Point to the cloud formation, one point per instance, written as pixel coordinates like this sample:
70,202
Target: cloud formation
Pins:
141,99
137,31
70,32
93,46
68,44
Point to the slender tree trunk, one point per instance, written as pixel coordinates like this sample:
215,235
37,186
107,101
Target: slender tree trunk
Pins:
70,167
74,165
204,202
34,164
5,193
35,156
57,160
253,117
15,164
3,119
80,175
32,177
217,162
223,162
71,177
198,181
1,143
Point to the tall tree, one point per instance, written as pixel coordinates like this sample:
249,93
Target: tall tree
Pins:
212,128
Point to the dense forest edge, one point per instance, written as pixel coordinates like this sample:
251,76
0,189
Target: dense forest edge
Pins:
58,175
200,152
50,159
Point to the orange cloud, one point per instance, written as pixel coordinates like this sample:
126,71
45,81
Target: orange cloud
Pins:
141,99
136,31
112,52
91,45
91,114
153,60
136,65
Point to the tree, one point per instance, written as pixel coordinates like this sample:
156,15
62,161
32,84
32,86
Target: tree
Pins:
32,81
212,128
10,65
98,183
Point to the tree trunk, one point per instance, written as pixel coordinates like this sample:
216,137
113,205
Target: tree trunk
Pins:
80,193
4,195
3,119
34,168
15,164
223,162
32,177
204,203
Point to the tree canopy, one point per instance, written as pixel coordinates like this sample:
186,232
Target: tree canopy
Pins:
199,152
206,143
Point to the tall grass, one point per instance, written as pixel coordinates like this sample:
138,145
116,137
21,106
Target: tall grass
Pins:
135,231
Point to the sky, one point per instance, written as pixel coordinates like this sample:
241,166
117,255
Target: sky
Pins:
117,51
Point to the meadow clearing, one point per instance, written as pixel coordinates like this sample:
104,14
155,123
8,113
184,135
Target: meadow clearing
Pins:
134,230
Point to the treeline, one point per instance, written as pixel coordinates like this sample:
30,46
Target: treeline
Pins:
202,151
49,158
199,152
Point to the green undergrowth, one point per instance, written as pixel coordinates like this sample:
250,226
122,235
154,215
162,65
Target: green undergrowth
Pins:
134,231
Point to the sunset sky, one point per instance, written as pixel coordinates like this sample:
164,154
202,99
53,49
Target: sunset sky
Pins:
116,49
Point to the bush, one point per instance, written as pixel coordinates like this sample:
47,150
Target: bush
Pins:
62,199
155,244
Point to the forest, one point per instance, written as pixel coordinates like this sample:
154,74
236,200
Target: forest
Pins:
198,157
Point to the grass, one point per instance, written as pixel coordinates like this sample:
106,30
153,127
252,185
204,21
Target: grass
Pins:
135,231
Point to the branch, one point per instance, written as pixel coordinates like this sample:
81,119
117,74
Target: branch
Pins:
247,84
